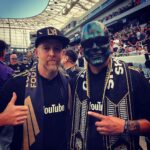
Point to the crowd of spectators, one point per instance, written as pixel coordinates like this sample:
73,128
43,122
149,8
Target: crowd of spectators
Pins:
19,62
131,40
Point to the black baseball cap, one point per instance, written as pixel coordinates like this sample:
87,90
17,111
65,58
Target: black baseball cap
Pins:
51,33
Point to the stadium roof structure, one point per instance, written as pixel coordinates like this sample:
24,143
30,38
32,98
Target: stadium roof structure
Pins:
58,13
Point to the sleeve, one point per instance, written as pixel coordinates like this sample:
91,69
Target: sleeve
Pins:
16,85
6,94
141,95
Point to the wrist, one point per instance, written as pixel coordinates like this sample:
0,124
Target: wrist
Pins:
131,127
2,119
126,128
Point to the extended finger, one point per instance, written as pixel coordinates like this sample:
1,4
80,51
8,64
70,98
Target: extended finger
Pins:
96,115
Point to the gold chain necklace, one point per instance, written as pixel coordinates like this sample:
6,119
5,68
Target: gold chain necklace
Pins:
106,80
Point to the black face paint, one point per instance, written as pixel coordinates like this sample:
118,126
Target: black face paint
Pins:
96,50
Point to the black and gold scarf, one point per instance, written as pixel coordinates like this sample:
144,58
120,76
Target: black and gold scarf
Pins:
116,101
34,100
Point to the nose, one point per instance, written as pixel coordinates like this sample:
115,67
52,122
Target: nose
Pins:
94,45
51,52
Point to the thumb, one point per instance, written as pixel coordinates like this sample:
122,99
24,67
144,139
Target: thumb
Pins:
14,98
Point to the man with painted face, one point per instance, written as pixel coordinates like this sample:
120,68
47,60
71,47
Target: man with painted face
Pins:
95,42
111,100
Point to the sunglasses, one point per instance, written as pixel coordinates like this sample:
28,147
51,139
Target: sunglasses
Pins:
14,58
99,41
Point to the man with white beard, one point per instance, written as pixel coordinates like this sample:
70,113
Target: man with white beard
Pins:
44,89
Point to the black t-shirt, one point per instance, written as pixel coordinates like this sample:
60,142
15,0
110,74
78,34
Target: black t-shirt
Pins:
96,93
25,66
54,125
141,102
17,68
54,120
5,73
